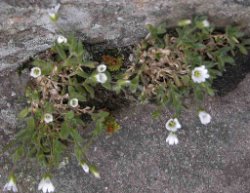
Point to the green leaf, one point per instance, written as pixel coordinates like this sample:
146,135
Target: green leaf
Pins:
89,89
58,150
78,152
198,93
90,64
24,135
65,130
99,119
242,49
107,85
30,123
210,91
81,73
45,66
184,22
19,152
161,29
80,51
79,94
48,107
185,80
71,90
228,59
61,52
76,136
69,115
156,114
23,113
134,84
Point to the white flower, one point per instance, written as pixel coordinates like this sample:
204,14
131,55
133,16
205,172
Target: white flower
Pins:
200,74
101,77
101,68
10,186
46,185
205,118
205,23
61,39
48,118
73,102
53,12
173,125
172,139
85,167
35,72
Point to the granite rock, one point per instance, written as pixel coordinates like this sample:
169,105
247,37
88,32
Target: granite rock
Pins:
25,28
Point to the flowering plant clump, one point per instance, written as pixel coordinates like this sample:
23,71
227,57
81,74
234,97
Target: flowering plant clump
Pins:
166,68
169,67
57,109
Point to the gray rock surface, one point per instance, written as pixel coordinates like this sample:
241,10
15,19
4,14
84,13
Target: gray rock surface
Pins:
209,159
212,159
25,28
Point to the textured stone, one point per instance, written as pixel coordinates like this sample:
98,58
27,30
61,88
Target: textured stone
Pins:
25,28
11,100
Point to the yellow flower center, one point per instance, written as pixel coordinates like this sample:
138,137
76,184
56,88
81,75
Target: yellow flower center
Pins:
172,124
197,73
73,102
36,71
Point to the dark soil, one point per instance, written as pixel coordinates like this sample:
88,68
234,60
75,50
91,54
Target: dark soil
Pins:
233,75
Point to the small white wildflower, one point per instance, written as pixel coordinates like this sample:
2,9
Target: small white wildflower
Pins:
101,77
61,39
205,118
173,125
46,185
11,185
73,102
101,68
172,139
184,22
48,118
53,13
35,72
200,74
205,23
85,168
